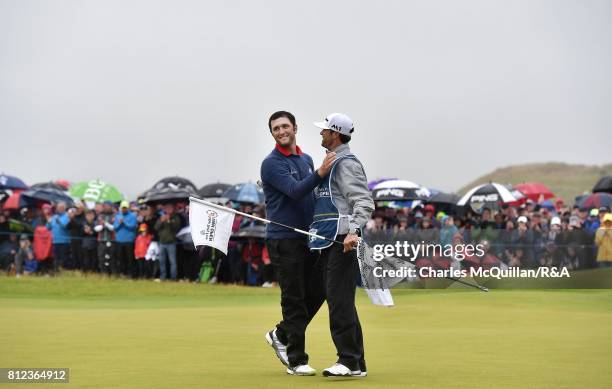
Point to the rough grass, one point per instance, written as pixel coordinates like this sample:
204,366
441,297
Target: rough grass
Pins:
565,180
119,333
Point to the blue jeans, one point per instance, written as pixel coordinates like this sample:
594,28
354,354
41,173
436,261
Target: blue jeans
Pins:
167,251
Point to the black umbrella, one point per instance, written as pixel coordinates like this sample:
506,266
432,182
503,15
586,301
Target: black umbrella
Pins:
444,198
34,197
175,182
170,189
213,190
603,185
446,202
254,231
11,182
48,185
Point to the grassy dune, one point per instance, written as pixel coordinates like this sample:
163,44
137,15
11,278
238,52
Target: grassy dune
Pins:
565,180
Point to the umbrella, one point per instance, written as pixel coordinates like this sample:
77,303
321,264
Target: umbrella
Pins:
534,190
19,226
446,202
444,198
215,190
377,181
95,191
397,190
34,197
245,193
4,195
170,189
603,185
12,201
548,205
398,204
11,182
433,191
48,185
253,231
489,195
595,200
518,195
175,182
63,182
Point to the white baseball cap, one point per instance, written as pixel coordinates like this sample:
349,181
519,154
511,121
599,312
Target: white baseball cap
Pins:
338,122
555,221
522,219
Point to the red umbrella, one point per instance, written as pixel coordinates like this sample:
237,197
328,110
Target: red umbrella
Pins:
64,183
12,202
534,190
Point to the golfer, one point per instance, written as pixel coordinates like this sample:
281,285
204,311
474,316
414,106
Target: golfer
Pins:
289,178
343,205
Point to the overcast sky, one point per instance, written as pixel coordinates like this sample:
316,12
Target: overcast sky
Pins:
441,92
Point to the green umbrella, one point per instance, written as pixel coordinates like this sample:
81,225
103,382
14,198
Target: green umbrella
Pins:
95,191
19,226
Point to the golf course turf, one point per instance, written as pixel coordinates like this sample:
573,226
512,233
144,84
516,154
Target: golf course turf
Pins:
122,333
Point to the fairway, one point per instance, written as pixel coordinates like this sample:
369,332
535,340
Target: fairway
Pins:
120,333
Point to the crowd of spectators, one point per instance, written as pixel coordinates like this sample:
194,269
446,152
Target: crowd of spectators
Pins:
526,236
152,242
128,240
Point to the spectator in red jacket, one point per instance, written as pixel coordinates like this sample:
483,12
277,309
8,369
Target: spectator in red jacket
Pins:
140,250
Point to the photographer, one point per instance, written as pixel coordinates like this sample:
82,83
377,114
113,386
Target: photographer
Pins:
25,254
107,262
167,226
88,243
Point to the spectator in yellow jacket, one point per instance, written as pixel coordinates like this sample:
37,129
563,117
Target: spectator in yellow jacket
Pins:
603,240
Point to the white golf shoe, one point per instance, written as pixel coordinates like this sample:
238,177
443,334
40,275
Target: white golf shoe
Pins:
279,348
304,370
339,370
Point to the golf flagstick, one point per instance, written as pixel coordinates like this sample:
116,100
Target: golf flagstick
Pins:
266,221
307,233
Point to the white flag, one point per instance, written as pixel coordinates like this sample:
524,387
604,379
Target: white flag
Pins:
378,293
380,297
210,225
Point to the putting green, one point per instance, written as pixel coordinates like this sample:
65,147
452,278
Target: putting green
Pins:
120,333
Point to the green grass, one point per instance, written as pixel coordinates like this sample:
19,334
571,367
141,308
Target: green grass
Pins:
119,333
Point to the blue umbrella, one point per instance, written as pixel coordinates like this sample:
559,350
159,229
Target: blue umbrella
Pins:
11,182
245,193
549,205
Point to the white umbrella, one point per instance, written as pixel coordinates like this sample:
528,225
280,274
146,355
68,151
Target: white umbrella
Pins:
397,184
